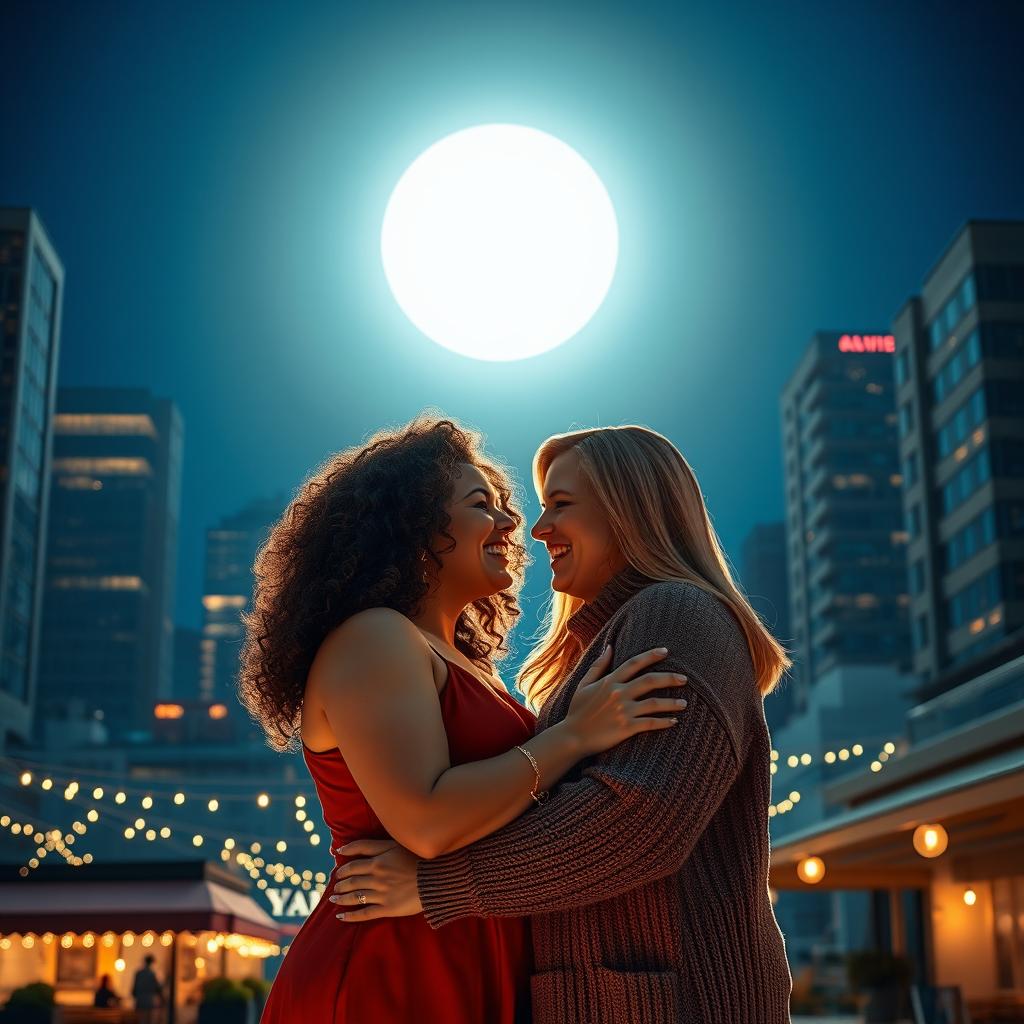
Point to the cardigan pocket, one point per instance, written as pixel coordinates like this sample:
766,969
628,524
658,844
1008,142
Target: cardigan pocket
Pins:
604,995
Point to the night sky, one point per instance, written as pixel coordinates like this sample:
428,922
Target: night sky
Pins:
214,175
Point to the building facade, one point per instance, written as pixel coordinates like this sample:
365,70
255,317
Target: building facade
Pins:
934,834
231,549
108,631
765,579
186,664
32,285
960,380
846,542
935,831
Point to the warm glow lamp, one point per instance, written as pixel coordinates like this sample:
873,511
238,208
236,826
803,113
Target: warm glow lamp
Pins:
811,870
930,840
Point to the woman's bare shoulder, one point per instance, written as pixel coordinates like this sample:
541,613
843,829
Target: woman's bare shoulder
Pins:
374,634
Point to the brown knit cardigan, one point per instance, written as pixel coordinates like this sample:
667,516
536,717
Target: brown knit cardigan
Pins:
645,874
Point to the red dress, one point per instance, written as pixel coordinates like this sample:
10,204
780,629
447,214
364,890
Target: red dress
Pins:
397,970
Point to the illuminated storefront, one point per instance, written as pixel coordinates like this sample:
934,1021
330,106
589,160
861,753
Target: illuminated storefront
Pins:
939,838
70,926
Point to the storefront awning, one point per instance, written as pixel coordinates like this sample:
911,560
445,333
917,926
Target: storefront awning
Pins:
181,896
981,805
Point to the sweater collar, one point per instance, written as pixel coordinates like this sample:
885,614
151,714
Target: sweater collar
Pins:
589,620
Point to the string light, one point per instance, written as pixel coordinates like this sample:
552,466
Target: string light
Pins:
54,841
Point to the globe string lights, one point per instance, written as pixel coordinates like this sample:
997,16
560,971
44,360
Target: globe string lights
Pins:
135,812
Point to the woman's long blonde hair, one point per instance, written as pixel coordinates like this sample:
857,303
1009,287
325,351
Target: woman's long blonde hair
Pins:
658,517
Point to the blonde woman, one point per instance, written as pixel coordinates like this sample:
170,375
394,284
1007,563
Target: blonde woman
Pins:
645,874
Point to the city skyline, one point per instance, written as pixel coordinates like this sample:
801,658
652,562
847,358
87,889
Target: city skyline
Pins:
761,198
817,295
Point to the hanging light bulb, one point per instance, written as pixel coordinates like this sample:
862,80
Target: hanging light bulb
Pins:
930,840
811,870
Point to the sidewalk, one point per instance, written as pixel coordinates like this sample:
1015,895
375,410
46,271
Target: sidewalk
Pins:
827,1020
834,1020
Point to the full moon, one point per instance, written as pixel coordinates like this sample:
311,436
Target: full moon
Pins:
499,242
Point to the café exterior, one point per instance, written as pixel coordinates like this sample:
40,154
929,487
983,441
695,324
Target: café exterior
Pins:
68,926
938,837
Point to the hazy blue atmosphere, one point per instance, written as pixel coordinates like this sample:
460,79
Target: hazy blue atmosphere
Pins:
214,177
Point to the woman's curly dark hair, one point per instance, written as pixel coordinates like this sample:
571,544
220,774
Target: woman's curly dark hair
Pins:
353,538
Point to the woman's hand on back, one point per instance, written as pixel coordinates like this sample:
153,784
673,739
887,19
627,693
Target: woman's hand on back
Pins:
609,707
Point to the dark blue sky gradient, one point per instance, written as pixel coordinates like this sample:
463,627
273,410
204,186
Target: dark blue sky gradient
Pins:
214,175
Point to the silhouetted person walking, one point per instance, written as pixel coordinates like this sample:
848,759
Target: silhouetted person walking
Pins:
147,992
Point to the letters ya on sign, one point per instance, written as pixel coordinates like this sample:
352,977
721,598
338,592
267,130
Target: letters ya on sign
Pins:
291,902
867,343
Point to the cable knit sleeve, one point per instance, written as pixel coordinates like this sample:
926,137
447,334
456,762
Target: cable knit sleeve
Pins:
638,810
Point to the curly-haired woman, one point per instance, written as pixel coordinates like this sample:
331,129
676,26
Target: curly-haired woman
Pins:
382,602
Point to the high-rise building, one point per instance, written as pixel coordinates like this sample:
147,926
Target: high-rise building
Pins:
186,664
844,516
960,381
231,549
32,287
765,580
847,587
108,631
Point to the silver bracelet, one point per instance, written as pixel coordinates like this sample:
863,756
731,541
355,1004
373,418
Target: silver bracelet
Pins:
538,798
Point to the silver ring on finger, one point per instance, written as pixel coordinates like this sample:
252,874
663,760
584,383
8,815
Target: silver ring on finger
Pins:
361,896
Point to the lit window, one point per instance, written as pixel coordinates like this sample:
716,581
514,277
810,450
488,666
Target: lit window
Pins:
97,583
104,466
168,711
97,425
218,602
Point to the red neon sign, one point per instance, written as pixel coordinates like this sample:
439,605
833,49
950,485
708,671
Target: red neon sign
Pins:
867,343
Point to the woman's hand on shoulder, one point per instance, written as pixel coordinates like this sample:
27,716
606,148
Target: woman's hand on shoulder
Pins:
611,706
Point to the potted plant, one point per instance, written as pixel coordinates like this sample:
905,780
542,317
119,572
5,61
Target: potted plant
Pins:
30,1004
259,988
224,1002
883,978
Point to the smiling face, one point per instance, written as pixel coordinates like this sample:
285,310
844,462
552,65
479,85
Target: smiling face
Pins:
477,565
576,531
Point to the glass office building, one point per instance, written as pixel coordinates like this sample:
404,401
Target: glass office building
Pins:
231,549
846,541
108,622
765,581
960,381
31,285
